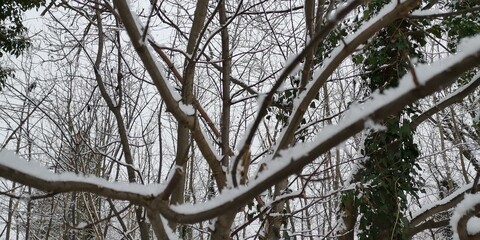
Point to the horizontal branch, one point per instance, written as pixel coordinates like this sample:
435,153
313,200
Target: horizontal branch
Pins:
431,14
13,168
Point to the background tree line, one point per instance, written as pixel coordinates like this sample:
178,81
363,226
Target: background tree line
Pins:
239,119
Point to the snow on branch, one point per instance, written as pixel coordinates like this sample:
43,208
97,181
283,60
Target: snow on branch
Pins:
290,65
289,161
170,96
464,222
429,79
439,206
154,68
454,97
32,174
386,16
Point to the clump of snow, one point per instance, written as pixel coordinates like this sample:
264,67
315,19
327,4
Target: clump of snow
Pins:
431,11
81,225
464,207
141,42
376,127
187,109
473,225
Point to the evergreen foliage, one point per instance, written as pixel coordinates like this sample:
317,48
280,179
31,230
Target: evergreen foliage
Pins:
12,30
390,172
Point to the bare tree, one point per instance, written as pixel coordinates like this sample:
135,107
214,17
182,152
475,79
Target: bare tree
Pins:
231,119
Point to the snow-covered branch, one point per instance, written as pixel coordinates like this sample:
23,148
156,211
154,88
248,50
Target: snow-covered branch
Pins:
385,17
431,77
169,95
32,174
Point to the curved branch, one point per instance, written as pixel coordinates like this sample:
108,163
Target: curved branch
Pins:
432,14
430,224
447,203
454,97
15,169
465,210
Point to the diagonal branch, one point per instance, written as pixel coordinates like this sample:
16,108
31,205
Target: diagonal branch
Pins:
431,77
169,96
454,97
389,14
262,111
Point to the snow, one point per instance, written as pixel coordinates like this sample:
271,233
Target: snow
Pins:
176,96
285,159
10,160
427,207
243,140
170,233
321,73
370,124
473,225
226,196
363,111
333,16
384,11
81,225
422,13
187,109
460,89
466,47
465,206
290,59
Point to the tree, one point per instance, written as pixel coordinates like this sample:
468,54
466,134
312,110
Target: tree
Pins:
12,30
232,119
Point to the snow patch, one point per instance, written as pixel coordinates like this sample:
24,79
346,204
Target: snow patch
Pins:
376,127
473,225
423,13
81,225
187,109
465,206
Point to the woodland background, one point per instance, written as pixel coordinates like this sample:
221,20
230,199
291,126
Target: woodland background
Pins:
239,119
